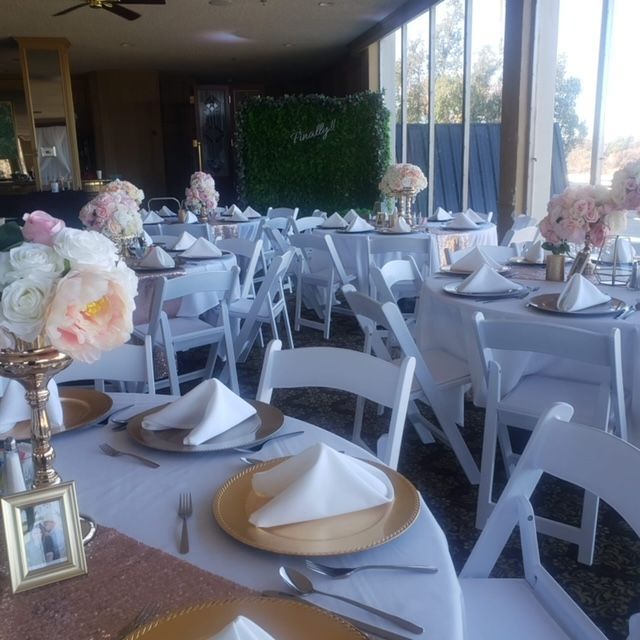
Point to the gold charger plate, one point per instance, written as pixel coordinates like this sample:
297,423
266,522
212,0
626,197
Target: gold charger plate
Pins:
282,619
548,302
236,500
80,408
251,431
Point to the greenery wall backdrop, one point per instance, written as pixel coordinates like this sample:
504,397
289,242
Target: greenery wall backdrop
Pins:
312,152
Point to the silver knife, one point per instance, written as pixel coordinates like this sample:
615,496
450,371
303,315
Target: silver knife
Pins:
372,629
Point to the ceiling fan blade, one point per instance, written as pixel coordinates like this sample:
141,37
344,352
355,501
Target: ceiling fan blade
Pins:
142,2
122,11
77,6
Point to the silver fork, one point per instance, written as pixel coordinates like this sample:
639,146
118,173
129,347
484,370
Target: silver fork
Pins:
185,509
343,572
110,451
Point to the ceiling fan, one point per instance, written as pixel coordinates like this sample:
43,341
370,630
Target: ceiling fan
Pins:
114,6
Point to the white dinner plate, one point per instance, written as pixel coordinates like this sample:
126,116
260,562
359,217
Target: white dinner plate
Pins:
447,269
452,288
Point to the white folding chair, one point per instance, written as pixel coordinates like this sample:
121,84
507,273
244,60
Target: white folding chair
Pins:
519,236
497,253
440,378
359,373
196,229
266,308
326,279
248,253
282,212
516,402
402,247
129,363
304,225
275,243
536,607
181,333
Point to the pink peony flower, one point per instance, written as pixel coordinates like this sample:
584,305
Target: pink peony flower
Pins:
91,311
40,227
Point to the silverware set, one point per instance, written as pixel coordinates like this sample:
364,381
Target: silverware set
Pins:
344,572
629,311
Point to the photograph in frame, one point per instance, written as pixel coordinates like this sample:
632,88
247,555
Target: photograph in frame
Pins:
43,537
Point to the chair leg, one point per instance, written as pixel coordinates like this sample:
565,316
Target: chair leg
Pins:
211,361
588,524
287,325
327,311
298,311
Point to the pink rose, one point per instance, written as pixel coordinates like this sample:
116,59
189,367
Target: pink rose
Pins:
597,234
91,312
40,227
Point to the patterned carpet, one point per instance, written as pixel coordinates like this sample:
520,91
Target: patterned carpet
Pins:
608,591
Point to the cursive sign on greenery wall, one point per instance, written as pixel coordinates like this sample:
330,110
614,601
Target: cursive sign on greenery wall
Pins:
312,151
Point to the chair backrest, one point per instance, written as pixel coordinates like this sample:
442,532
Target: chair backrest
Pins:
303,225
359,373
519,236
127,363
168,201
282,212
418,248
196,229
498,253
402,274
281,224
308,243
587,457
279,243
249,253
587,347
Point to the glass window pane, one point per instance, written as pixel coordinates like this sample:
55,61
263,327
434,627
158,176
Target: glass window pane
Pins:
390,50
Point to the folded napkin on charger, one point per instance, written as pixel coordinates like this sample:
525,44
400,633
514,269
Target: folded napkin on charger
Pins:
242,628
202,248
580,294
400,226
463,221
152,218
318,483
485,280
350,216
442,215
334,221
190,218
157,258
236,216
472,260
319,214
166,212
621,249
185,241
359,224
535,253
207,410
14,407
232,210
250,212
472,215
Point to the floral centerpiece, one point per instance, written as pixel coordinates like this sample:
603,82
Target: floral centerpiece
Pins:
584,214
201,196
625,187
126,187
402,177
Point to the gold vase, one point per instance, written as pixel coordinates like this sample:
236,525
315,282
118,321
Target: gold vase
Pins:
555,268
33,364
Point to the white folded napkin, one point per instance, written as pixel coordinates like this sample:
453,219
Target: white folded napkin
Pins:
535,252
250,212
350,216
166,212
319,214
207,410
242,628
441,214
621,248
202,248
190,218
462,221
152,218
359,224
472,215
157,258
472,260
237,216
334,221
233,209
400,226
147,239
485,280
143,212
580,294
14,407
318,483
185,241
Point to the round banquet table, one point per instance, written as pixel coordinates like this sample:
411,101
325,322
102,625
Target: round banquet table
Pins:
445,321
142,502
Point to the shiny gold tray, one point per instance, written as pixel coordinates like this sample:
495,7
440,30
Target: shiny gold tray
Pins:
80,408
251,431
282,619
236,500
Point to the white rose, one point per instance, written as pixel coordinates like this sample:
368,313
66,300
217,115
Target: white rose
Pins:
24,304
86,248
31,256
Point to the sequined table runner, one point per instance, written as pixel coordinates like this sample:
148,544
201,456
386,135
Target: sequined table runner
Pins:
124,575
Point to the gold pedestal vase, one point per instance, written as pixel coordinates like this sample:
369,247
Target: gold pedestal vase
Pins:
33,364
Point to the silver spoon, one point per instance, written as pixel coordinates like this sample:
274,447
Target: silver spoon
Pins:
298,581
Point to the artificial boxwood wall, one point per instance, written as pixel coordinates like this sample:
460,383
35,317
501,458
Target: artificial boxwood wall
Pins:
312,151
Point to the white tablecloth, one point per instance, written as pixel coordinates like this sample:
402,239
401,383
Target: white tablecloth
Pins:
453,240
445,321
141,502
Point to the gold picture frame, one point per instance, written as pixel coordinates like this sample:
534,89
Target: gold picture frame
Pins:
42,532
